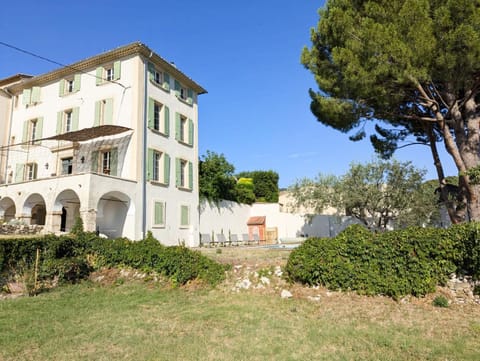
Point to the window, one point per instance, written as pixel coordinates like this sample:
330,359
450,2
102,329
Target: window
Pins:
25,172
184,216
158,167
183,129
31,96
67,120
32,130
31,171
158,117
158,214
159,78
105,161
183,93
184,174
69,85
67,165
103,112
108,73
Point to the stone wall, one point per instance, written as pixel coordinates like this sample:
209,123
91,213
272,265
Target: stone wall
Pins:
22,229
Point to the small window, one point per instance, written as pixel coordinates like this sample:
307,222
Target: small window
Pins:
184,129
31,171
157,166
69,85
184,174
184,216
158,77
108,73
68,121
158,117
159,214
106,162
67,165
103,112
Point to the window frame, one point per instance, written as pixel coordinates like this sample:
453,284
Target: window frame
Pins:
68,165
163,222
186,225
31,171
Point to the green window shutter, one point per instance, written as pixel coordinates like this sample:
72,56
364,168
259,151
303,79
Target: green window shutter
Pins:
178,164
98,110
99,75
178,121
77,82
151,71
26,125
75,116
94,164
149,164
35,94
27,93
59,122
167,120
114,162
184,215
190,131
151,115
116,70
177,88
61,88
108,111
19,172
189,96
39,130
166,81
190,175
159,213
166,169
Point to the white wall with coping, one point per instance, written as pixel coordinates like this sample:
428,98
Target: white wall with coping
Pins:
231,218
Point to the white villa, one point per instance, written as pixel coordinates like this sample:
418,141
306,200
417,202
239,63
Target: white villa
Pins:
112,139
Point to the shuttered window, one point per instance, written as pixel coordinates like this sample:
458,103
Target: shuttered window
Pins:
108,73
159,214
184,216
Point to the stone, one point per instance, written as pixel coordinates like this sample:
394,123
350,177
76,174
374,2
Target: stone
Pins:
286,294
265,280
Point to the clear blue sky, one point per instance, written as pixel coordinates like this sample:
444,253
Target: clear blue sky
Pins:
245,53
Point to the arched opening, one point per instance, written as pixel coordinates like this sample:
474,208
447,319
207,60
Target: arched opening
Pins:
112,211
7,209
67,209
34,207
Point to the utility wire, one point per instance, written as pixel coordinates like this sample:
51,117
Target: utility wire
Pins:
57,63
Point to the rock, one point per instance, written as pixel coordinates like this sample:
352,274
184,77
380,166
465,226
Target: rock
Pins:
314,298
244,284
264,280
286,294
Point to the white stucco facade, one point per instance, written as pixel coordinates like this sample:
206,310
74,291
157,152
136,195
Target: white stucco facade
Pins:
112,139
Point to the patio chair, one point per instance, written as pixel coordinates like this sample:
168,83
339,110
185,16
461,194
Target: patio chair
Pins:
205,240
245,238
234,240
221,239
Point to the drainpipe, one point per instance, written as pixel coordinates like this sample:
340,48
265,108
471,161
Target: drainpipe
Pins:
144,151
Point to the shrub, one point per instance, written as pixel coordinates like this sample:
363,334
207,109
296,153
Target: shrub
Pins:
411,261
440,301
466,236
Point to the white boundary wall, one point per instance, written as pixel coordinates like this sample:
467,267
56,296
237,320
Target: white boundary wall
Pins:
231,218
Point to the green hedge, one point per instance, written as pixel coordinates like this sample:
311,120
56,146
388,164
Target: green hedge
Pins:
70,258
411,261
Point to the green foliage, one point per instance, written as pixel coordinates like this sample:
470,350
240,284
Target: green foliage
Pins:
402,66
265,184
69,259
216,180
407,262
467,238
379,193
440,301
77,228
244,190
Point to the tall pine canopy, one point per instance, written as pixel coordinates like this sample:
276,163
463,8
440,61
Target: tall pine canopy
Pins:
411,67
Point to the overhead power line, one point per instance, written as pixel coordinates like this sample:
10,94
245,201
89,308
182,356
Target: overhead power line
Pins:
57,63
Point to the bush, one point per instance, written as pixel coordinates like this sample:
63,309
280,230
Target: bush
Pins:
440,301
467,239
411,261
